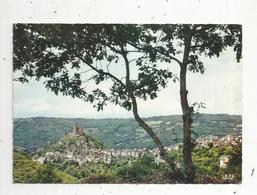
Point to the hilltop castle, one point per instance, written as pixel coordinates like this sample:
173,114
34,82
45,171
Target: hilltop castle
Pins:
75,131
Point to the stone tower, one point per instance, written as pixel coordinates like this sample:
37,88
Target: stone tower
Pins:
77,131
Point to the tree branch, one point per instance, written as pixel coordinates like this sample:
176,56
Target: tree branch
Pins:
187,43
88,80
105,73
135,51
141,122
175,59
111,47
166,54
83,72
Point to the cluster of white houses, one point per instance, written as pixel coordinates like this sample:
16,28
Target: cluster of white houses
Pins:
214,141
84,154
92,155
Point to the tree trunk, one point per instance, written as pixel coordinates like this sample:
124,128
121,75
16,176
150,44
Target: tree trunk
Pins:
187,110
187,121
176,175
150,132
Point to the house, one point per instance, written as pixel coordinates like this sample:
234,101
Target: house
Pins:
41,160
224,160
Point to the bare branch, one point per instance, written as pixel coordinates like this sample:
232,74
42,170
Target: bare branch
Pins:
159,38
135,51
107,66
133,60
83,72
88,79
172,58
101,65
175,59
105,73
111,47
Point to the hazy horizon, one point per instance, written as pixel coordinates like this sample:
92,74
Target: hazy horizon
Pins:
120,117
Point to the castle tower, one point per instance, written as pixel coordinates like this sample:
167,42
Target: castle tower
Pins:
77,131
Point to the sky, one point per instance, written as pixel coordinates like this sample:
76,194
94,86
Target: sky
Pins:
220,88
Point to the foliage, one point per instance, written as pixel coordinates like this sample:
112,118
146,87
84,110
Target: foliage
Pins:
129,171
206,40
63,54
136,171
206,161
27,171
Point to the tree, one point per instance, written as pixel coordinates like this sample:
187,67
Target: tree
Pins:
65,55
186,44
59,52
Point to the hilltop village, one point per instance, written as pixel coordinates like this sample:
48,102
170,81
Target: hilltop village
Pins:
78,147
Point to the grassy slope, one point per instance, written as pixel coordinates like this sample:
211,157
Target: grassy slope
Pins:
27,171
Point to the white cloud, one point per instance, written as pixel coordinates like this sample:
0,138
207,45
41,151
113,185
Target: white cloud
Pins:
33,104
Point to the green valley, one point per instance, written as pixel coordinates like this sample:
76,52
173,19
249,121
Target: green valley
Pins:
37,132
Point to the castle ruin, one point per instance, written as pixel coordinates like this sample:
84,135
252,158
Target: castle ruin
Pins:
77,131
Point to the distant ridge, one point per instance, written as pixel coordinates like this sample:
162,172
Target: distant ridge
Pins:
109,118
34,133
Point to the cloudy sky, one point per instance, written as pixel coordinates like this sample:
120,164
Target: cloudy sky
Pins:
220,88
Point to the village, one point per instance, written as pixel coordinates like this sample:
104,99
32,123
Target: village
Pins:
81,152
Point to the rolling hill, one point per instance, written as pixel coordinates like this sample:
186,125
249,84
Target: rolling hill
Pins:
37,132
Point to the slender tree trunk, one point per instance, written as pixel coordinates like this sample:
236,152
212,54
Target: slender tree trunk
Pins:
187,121
163,153
150,132
187,112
